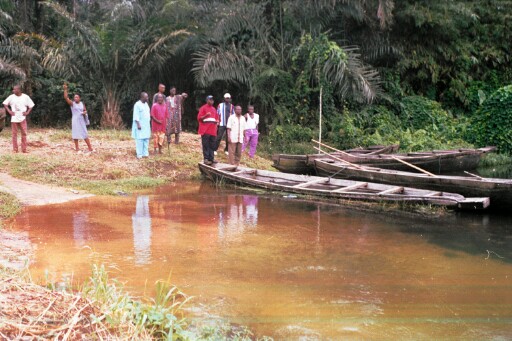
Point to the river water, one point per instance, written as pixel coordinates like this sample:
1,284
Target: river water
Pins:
290,269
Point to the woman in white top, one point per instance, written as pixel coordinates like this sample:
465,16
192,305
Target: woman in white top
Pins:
251,131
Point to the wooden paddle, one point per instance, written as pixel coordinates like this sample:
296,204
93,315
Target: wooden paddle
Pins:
332,148
340,160
413,166
392,156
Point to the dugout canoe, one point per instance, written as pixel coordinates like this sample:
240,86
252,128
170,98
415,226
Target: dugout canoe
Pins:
499,191
437,161
336,189
302,164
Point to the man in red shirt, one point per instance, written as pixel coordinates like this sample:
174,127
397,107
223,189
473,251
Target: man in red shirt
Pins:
159,117
208,119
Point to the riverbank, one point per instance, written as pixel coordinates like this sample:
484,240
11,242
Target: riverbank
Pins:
112,169
52,172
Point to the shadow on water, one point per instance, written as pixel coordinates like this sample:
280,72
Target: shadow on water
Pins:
502,172
489,235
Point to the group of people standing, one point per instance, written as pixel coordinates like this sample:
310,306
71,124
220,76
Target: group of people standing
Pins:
20,105
160,122
227,120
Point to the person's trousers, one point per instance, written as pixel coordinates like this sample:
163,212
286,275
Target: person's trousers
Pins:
158,139
23,128
235,153
251,140
221,131
142,147
208,142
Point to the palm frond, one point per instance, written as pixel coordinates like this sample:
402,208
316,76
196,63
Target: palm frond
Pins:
159,50
350,77
85,41
128,9
14,49
212,62
385,13
8,68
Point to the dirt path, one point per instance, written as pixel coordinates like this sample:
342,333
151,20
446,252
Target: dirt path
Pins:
30,193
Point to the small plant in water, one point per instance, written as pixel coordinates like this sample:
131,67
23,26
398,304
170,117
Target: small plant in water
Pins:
155,319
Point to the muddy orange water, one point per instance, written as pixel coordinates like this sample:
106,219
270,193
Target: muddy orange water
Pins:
290,269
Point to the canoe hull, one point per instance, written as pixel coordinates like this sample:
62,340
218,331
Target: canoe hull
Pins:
303,164
498,190
435,162
329,188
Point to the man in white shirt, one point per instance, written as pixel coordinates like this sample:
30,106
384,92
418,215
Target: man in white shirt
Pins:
251,131
20,106
236,133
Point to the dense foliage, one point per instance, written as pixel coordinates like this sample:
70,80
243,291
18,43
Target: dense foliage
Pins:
409,71
492,123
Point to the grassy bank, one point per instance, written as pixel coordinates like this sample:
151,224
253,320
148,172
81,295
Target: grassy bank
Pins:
113,168
99,309
9,206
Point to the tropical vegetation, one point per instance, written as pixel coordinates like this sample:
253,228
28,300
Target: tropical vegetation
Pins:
426,74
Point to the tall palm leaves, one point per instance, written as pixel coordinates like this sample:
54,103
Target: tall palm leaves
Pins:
246,41
118,55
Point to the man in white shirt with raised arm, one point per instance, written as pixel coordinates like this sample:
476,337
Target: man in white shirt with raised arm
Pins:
19,106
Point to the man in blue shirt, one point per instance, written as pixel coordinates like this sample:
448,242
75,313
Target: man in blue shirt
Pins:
141,127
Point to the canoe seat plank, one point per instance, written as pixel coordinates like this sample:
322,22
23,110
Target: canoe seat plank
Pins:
312,182
474,203
398,189
435,194
232,168
352,187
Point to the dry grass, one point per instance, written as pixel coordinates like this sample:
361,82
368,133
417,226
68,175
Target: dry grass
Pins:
112,168
30,311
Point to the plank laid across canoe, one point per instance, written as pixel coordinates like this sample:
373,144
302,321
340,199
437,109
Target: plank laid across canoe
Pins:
437,161
498,190
301,164
331,188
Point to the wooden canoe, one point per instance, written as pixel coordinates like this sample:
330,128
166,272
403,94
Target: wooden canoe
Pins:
302,164
437,162
336,189
498,190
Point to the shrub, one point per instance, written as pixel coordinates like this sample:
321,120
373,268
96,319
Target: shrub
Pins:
422,113
492,123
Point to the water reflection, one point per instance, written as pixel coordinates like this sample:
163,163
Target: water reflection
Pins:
81,232
293,269
141,223
238,215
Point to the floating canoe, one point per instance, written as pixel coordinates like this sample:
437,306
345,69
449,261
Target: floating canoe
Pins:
336,189
498,190
298,164
437,162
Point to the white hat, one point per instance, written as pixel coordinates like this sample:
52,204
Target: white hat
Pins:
227,95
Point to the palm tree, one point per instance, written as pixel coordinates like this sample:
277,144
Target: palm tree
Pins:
118,55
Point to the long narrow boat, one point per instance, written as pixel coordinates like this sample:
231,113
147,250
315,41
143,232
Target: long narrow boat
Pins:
437,162
302,164
498,190
336,189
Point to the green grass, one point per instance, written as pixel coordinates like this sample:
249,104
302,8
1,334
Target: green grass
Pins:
9,205
495,159
157,318
112,187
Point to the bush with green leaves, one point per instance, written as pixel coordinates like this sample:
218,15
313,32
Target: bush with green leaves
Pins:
492,123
